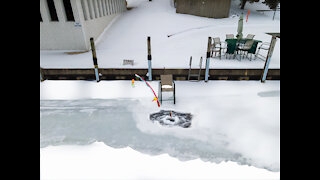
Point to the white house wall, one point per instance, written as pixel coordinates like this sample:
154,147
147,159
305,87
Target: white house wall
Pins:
64,35
94,27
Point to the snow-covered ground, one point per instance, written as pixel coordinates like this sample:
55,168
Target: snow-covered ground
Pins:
98,161
235,131
102,130
126,38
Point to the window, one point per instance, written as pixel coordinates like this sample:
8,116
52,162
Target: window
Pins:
117,1
90,9
68,10
40,17
84,9
116,6
103,7
52,10
108,7
99,8
112,6
95,8
121,5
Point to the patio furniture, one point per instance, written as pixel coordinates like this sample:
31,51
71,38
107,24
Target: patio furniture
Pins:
217,47
167,84
126,62
264,46
234,45
250,36
246,48
231,47
229,36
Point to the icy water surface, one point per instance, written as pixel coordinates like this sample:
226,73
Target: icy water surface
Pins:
82,122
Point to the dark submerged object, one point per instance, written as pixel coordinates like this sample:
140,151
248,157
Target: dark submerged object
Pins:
172,118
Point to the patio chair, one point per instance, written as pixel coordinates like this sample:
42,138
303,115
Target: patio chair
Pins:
229,36
217,47
250,36
167,84
245,48
231,48
264,46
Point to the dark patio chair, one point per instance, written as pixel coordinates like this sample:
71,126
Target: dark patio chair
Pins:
231,47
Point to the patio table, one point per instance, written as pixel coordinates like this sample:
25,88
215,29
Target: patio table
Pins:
233,43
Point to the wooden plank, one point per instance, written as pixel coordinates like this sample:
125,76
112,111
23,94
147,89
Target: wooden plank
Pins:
178,74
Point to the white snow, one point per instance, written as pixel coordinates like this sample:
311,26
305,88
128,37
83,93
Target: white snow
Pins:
166,86
126,38
234,121
91,130
98,161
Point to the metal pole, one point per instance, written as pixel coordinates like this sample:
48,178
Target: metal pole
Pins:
95,60
149,59
208,60
266,65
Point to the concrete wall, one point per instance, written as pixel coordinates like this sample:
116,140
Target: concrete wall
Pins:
64,35
204,8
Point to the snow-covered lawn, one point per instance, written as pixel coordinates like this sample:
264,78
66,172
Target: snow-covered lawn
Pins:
126,38
235,124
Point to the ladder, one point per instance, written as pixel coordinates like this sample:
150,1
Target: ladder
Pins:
195,75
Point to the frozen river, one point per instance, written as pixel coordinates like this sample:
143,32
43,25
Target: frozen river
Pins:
232,121
83,122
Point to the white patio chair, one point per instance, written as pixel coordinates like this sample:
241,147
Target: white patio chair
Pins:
218,47
167,84
245,48
250,36
229,36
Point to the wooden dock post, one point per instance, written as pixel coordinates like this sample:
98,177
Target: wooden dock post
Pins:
95,60
271,48
149,59
208,60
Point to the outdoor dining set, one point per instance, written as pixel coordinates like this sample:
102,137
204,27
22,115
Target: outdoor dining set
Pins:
238,47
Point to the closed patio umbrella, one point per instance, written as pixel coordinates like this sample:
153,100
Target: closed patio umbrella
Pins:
240,27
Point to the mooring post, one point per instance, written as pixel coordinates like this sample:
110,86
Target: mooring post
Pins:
149,59
95,60
266,65
190,63
208,60
41,75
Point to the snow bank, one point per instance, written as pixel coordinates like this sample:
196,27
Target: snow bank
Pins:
98,161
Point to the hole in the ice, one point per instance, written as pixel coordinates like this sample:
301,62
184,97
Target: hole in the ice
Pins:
172,118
